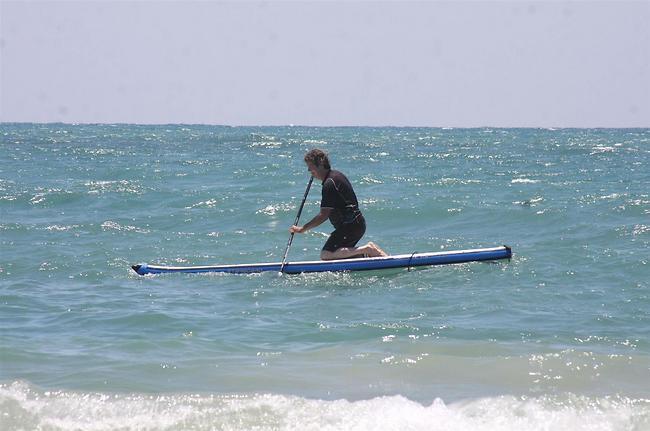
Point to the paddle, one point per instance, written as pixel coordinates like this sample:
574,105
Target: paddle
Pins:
286,252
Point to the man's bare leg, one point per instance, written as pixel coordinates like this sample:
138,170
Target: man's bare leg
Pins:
371,250
381,252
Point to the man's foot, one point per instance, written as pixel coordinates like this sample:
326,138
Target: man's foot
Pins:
376,250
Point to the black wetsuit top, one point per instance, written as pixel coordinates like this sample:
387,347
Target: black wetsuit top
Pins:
339,195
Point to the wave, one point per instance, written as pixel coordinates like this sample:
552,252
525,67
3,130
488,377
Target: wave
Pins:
24,407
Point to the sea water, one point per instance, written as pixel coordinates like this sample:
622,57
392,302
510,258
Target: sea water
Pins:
558,337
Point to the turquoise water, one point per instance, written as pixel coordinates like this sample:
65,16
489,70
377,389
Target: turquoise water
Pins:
559,336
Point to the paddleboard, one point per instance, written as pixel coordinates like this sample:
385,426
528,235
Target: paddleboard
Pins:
410,260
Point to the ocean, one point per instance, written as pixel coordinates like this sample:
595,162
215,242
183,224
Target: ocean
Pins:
558,337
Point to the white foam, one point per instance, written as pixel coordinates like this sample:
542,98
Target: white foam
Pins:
22,407
210,203
111,225
119,186
524,181
272,210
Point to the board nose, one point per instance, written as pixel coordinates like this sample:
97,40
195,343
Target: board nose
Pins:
136,268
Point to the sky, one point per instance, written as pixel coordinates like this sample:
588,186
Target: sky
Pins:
327,63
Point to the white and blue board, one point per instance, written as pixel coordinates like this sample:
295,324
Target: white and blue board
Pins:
411,260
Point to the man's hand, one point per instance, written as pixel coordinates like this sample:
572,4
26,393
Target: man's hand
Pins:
296,229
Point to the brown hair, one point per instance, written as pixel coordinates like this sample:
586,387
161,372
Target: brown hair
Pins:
318,157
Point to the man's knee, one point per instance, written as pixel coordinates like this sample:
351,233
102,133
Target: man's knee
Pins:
326,255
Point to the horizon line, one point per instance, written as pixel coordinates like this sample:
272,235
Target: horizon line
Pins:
83,123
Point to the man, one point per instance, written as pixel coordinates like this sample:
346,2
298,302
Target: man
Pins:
339,205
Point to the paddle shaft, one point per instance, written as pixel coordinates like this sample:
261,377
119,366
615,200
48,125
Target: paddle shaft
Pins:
286,251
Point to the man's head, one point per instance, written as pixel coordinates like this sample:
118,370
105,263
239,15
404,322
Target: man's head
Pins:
318,163
318,158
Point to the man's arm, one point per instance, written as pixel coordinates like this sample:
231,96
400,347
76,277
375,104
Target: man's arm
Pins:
316,221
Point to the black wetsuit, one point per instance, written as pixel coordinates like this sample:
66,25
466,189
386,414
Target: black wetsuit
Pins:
346,217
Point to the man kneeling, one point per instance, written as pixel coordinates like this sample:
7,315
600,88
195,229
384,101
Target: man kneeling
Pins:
338,204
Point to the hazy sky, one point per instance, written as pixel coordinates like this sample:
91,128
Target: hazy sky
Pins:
541,64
